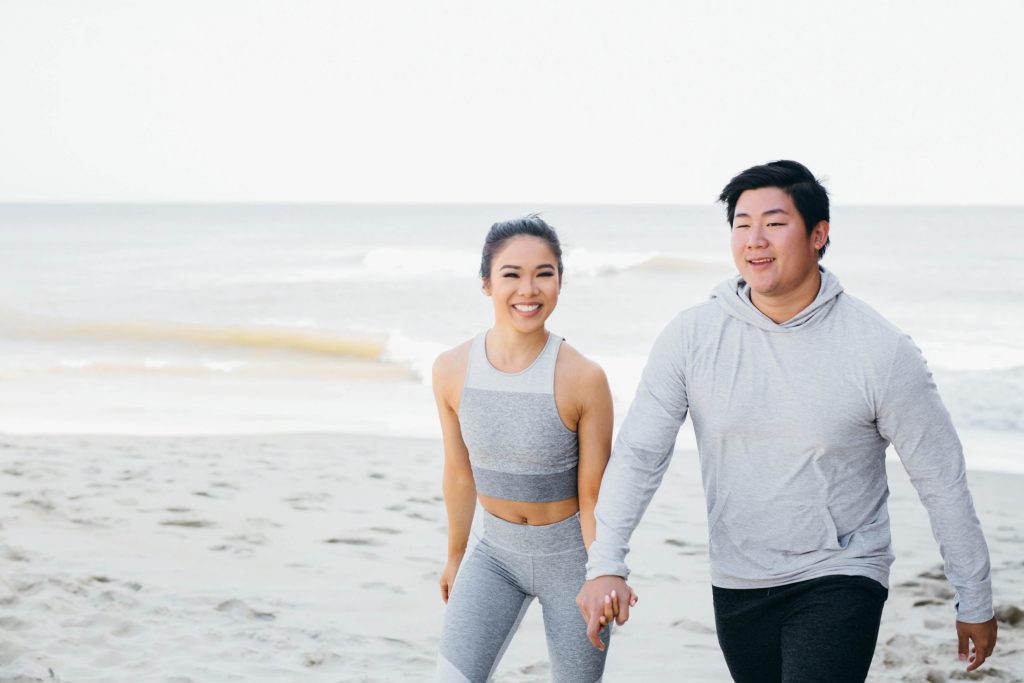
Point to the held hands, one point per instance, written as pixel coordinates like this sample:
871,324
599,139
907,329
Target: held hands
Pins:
451,568
603,599
983,636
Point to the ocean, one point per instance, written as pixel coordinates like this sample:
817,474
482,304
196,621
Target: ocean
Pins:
249,319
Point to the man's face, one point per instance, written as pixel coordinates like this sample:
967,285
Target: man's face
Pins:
770,244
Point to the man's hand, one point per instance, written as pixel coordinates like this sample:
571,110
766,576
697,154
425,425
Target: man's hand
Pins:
983,636
602,599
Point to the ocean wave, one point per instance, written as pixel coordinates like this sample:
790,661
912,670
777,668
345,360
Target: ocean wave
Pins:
947,356
397,264
296,347
99,367
989,399
300,339
672,263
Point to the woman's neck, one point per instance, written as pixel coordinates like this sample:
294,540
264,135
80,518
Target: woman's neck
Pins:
510,350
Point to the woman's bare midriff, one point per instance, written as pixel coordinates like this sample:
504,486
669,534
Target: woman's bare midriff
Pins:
534,514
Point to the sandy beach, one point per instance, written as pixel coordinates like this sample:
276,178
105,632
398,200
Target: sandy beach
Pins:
315,558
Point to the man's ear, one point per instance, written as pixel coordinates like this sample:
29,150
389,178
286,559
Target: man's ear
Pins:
819,235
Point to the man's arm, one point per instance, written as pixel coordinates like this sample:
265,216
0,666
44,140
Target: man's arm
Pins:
639,459
911,415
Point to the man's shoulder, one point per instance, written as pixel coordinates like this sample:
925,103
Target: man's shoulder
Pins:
863,316
701,313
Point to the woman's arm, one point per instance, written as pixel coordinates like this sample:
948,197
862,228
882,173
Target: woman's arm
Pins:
458,485
594,430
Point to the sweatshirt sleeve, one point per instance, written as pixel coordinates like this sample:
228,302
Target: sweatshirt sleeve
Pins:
913,418
641,454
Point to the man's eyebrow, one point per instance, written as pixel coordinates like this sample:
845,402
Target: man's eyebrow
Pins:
764,213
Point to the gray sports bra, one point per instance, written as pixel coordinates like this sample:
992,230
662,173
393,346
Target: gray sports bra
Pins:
519,447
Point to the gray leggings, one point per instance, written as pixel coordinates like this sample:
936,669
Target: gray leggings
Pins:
511,565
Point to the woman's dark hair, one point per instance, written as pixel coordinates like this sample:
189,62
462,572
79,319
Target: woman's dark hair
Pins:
500,233
809,196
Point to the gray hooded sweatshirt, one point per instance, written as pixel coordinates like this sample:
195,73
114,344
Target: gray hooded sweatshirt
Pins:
792,422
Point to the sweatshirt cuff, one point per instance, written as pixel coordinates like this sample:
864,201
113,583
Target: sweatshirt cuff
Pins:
602,561
974,604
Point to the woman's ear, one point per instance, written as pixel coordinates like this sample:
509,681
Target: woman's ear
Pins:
485,286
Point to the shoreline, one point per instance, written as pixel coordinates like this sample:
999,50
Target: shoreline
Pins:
274,557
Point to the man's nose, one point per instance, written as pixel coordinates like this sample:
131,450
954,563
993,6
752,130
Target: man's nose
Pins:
757,237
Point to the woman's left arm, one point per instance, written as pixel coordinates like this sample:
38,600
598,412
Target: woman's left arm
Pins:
594,431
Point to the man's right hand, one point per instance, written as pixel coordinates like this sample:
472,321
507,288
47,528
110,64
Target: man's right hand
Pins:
594,607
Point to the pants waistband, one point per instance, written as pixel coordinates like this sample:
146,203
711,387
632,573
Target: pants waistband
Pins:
543,539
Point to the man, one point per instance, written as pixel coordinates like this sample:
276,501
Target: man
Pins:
795,390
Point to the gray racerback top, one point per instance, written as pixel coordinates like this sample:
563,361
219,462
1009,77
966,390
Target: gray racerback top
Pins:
519,447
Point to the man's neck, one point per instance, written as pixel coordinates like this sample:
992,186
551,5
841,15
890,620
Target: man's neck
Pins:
785,306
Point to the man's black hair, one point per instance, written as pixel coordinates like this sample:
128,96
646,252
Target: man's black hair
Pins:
808,194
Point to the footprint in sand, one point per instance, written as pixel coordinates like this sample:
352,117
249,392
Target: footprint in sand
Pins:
687,548
238,608
38,505
1010,615
308,501
12,555
250,539
262,523
188,523
417,515
353,541
693,626
375,585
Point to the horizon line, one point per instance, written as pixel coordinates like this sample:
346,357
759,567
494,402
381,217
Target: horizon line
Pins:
517,203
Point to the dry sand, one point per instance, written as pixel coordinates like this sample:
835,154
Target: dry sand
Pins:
315,558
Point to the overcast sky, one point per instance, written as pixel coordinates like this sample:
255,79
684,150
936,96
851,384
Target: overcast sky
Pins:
519,101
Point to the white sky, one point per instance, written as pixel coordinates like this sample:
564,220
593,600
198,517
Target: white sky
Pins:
519,101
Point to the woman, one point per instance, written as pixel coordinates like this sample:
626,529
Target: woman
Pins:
527,424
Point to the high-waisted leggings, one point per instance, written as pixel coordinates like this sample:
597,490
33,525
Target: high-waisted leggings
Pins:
498,579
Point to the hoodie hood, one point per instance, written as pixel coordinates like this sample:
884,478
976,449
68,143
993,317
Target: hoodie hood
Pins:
733,295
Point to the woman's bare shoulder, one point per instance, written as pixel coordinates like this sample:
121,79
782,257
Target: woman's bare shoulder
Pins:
451,364
579,370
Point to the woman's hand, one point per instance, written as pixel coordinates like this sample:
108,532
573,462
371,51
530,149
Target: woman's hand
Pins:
599,608
451,568
611,607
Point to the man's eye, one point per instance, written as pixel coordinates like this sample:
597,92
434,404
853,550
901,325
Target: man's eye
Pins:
741,225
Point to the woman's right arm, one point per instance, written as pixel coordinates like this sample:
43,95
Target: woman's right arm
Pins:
458,485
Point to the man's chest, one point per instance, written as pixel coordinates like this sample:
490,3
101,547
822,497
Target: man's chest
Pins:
780,388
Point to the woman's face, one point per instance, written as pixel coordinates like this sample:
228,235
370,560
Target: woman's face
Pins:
524,283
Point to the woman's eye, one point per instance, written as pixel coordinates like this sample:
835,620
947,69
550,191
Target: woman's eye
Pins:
546,273
510,275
